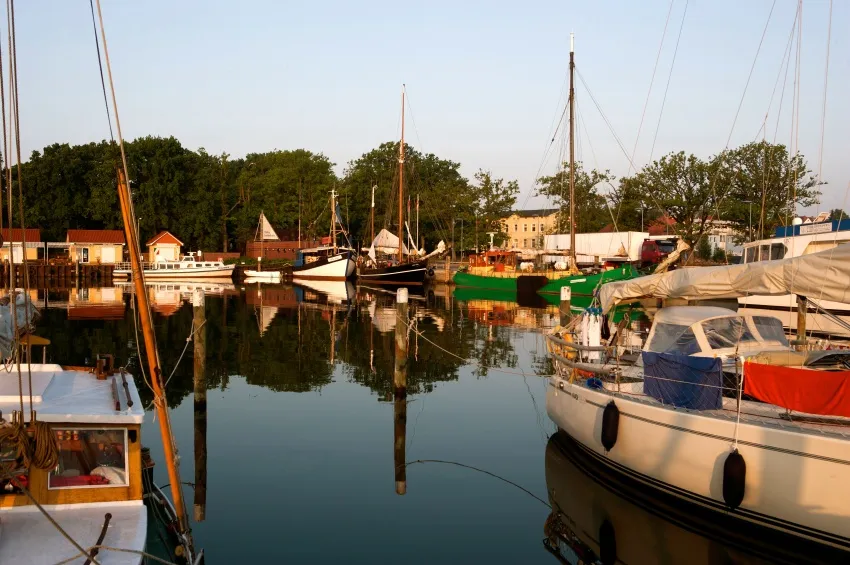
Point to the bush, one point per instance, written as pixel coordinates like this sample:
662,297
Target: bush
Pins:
703,250
719,255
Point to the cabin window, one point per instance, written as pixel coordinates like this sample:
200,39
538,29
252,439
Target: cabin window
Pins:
764,252
90,458
723,333
770,329
750,255
674,338
777,251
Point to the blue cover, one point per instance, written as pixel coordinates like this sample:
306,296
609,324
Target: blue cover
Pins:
683,381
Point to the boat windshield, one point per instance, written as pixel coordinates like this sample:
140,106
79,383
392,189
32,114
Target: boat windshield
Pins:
770,329
726,332
673,338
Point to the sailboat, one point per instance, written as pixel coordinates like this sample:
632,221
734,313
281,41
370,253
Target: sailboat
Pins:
551,282
402,270
264,231
330,262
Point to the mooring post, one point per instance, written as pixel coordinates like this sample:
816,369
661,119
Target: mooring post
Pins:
199,339
400,391
564,306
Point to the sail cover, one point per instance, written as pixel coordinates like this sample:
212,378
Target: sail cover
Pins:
13,327
386,242
820,276
268,233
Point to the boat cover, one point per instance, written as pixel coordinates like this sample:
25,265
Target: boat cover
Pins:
387,242
804,390
821,276
25,313
684,381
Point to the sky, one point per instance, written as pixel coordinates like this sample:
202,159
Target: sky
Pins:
486,80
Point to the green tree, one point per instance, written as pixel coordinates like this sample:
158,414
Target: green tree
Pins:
494,200
591,207
776,183
837,214
704,249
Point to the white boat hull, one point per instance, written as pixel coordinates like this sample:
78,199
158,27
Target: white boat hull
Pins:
796,482
185,274
264,276
336,268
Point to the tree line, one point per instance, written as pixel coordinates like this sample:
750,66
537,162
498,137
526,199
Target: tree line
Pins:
213,202
754,187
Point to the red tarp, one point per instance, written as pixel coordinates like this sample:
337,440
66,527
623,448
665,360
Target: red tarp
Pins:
803,390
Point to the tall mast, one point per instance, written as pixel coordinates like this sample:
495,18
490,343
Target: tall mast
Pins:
401,184
262,241
155,372
299,213
333,219
572,162
374,186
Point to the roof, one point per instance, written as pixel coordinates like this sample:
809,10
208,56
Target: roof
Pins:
164,237
659,226
534,213
96,236
33,235
690,315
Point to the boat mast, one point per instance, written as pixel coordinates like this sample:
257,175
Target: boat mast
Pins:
154,369
572,162
333,219
262,239
374,186
401,184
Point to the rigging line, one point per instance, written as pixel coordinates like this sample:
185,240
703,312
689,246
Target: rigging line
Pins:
796,115
495,476
823,111
100,65
669,78
604,117
649,91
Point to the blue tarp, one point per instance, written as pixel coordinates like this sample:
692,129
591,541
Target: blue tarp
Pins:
684,381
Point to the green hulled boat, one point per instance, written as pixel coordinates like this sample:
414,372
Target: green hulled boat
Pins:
587,285
493,281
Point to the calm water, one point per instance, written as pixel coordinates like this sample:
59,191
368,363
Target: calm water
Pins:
301,428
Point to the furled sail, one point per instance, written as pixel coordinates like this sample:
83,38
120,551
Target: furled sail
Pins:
387,242
820,276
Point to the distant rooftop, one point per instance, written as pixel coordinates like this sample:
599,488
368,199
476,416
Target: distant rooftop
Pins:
534,213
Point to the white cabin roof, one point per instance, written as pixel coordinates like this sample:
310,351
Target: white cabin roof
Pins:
62,396
689,315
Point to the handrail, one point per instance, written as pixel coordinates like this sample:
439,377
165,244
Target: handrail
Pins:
589,367
576,346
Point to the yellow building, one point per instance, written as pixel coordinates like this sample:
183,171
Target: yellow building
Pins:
12,240
98,247
525,228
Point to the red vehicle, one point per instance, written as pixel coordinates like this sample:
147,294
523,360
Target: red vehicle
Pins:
653,251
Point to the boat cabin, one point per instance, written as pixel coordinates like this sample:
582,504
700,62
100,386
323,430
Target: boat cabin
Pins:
710,331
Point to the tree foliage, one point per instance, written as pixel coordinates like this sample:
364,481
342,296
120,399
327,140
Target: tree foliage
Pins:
591,209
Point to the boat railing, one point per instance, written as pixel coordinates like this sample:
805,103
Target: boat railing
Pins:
127,266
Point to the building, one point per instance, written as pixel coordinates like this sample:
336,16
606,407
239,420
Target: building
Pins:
525,228
164,247
100,247
12,240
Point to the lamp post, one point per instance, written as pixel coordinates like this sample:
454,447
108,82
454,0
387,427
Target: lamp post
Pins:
750,229
641,216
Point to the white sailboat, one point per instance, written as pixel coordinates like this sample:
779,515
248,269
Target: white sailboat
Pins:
264,232
719,410
329,262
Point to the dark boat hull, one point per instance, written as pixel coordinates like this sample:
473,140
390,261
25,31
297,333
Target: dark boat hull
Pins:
413,273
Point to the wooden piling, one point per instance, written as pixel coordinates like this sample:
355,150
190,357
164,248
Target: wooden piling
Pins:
802,311
200,402
400,392
564,307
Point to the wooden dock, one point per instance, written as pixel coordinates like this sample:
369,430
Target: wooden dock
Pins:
42,275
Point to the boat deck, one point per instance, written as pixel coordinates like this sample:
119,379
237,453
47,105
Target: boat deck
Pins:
69,396
27,537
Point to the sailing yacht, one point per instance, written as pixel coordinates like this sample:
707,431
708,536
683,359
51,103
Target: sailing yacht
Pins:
329,262
401,269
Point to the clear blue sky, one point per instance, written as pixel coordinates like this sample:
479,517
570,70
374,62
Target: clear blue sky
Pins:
485,78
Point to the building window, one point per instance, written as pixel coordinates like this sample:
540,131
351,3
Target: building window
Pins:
533,243
516,227
533,227
541,227
90,458
525,243
524,227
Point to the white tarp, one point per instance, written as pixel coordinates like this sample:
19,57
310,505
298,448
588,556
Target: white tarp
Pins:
626,244
25,324
268,233
387,242
821,276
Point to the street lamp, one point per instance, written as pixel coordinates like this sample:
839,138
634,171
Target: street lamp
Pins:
641,216
750,229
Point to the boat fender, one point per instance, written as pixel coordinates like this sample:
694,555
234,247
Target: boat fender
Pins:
734,479
606,329
610,425
431,271
607,543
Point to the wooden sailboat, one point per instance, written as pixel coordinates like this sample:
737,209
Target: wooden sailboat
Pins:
329,262
264,230
401,271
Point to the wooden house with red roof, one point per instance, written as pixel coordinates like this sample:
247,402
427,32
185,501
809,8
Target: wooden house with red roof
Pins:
164,246
99,247
12,239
